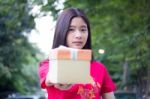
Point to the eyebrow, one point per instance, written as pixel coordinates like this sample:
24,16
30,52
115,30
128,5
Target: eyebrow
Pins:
83,26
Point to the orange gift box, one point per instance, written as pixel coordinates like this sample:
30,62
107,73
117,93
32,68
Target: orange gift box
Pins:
74,54
68,66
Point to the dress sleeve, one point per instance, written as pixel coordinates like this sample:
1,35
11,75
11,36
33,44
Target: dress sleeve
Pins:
42,71
108,84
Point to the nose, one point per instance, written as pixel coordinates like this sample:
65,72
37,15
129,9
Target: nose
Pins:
78,34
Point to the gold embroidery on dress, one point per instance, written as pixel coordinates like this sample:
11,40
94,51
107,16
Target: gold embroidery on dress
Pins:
86,93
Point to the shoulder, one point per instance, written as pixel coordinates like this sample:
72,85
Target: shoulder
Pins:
98,71
98,65
97,68
44,62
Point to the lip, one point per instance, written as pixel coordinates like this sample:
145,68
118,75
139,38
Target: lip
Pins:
78,43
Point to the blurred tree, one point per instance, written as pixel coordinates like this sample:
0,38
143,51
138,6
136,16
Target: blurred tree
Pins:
122,29
16,53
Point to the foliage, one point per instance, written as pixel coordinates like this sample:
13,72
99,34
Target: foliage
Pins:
16,53
122,29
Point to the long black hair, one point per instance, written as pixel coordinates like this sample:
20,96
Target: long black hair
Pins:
62,27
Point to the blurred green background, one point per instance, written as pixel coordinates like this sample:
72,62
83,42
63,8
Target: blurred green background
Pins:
120,27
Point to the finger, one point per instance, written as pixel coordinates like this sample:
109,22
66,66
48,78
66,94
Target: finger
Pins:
63,86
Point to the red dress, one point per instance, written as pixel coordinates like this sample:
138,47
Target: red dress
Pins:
102,84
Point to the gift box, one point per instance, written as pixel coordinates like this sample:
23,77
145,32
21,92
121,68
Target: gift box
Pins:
69,66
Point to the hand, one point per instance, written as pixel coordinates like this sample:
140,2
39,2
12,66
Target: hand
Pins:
64,47
59,86
63,86
47,81
109,95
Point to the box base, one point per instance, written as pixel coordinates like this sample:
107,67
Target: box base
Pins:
69,71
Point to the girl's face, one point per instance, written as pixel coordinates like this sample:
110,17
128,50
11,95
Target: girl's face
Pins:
77,34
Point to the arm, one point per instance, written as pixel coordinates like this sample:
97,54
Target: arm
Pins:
108,86
56,85
42,71
43,75
109,95
59,86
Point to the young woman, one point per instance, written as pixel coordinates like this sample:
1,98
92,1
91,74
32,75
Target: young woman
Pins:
73,30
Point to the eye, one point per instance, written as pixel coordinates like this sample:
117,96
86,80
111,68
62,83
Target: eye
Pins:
71,30
83,29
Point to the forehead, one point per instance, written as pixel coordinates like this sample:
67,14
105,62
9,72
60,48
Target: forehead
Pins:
78,21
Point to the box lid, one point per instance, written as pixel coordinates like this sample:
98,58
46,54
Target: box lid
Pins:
70,54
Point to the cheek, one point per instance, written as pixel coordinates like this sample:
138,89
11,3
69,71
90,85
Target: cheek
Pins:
86,37
68,39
